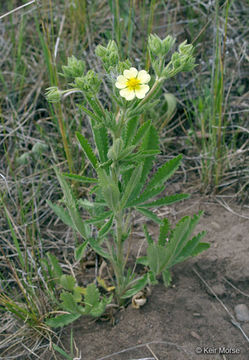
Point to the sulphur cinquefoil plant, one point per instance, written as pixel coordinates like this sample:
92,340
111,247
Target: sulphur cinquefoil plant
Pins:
122,156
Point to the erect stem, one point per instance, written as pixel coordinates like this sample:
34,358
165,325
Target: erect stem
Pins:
151,93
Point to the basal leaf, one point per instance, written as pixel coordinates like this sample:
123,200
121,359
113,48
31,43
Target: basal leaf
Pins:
164,230
62,320
67,282
139,285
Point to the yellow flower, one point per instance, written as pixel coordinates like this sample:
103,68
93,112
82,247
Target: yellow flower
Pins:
133,83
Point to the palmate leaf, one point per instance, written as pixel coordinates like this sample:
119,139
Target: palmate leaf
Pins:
87,149
67,282
167,200
150,142
79,251
156,255
92,116
164,172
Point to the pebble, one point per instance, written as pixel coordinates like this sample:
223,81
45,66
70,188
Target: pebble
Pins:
241,312
219,290
195,335
215,225
196,314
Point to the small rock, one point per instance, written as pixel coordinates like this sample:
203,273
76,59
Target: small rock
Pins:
195,335
215,226
241,312
196,314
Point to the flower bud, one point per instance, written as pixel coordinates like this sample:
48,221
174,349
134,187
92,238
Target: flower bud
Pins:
167,44
53,94
89,83
186,49
100,51
75,68
155,45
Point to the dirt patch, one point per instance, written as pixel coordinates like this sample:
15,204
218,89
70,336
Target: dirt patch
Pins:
187,318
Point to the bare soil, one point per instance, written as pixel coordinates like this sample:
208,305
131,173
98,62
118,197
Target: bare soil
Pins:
186,320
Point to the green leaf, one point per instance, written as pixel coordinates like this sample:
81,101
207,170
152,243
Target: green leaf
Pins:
143,260
149,214
87,149
62,320
106,227
92,116
166,277
101,140
192,248
164,230
164,172
142,131
67,282
80,178
62,214
199,248
71,206
92,297
146,195
130,130
140,284
98,249
147,235
69,304
134,180
100,218
56,269
156,257
80,250
167,200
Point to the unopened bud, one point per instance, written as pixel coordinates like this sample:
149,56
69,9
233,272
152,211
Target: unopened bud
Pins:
74,67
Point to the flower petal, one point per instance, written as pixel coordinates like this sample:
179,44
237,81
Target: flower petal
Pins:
143,76
131,73
127,94
121,82
141,92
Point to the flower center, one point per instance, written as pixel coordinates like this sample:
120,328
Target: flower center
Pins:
133,84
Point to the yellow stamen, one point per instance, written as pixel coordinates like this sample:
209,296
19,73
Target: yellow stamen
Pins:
133,84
